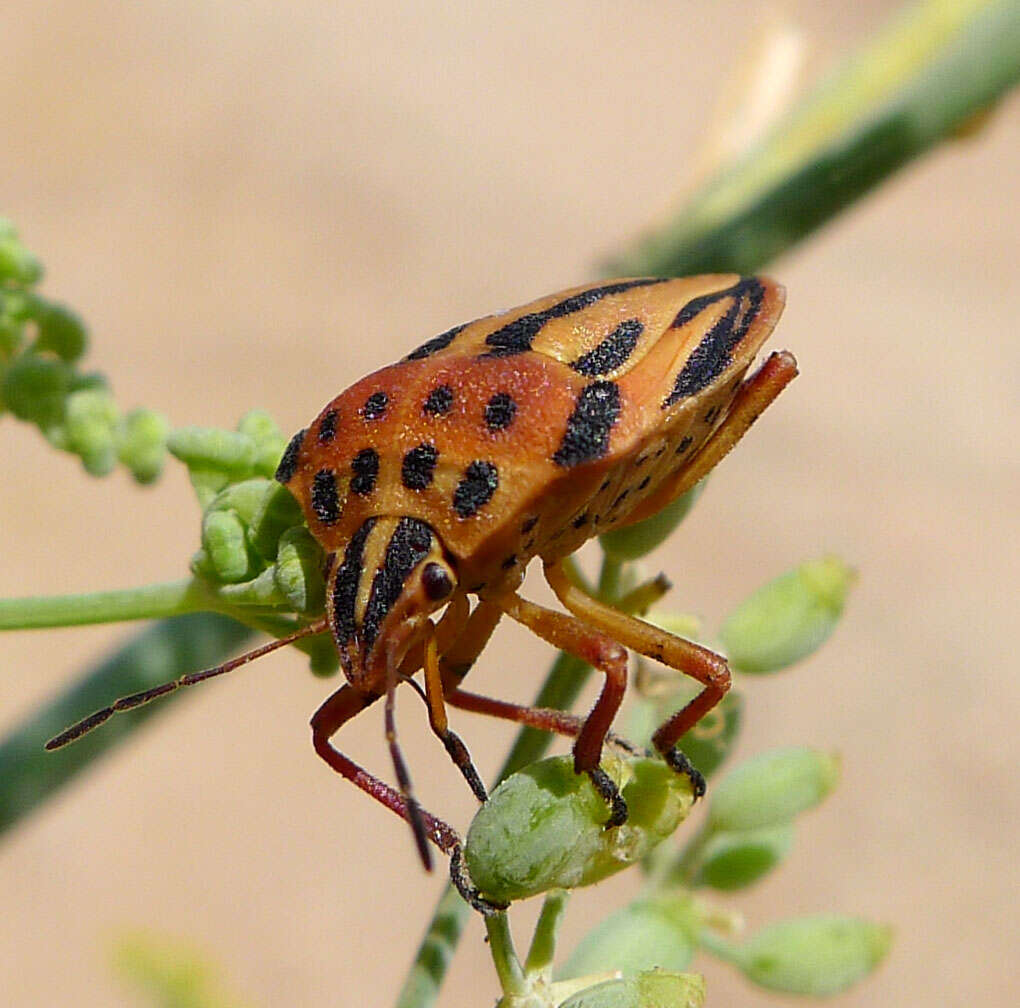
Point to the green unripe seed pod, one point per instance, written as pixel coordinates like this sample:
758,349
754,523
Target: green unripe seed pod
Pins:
657,932
544,827
269,441
735,860
298,571
141,444
771,789
36,388
634,541
789,618
654,989
210,449
224,543
818,956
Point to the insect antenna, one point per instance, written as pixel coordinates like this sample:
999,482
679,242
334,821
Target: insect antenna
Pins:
414,816
86,724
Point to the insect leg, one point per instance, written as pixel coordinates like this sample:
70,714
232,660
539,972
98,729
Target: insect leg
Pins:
437,717
338,709
753,397
693,660
596,649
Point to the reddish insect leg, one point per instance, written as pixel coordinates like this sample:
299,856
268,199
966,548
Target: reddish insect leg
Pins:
691,659
596,649
338,709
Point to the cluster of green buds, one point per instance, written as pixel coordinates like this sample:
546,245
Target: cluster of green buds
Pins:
542,828
41,346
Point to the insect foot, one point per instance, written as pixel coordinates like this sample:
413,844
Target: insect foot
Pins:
677,761
544,827
462,883
610,793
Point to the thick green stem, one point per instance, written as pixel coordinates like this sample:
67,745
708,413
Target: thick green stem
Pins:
543,942
501,945
174,598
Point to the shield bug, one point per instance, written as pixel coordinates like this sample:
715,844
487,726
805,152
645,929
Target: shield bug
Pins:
516,436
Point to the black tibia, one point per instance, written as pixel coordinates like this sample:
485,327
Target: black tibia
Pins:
677,761
603,783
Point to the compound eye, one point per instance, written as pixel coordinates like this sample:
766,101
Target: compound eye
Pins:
436,582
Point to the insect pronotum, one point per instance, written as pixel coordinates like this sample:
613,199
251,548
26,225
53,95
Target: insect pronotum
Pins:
517,435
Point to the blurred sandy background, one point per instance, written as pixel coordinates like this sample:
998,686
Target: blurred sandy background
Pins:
255,204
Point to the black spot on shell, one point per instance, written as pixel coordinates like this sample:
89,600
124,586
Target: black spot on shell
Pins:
712,414
587,433
409,545
612,352
289,460
345,585
500,411
622,497
517,336
375,406
327,427
365,469
418,467
605,485
714,353
509,562
529,543
437,343
644,482
685,443
325,499
439,401
529,524
476,488
580,521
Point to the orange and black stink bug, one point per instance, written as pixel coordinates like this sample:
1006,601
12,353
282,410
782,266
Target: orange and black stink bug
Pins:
518,435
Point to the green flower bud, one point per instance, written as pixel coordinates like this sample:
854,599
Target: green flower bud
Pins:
60,331
634,541
277,511
654,989
544,827
818,956
259,591
90,419
269,441
771,789
210,449
789,618
224,543
141,444
734,860
298,571
17,264
36,389
246,499
658,932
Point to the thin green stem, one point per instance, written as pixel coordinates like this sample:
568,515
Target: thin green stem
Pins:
543,942
501,945
158,601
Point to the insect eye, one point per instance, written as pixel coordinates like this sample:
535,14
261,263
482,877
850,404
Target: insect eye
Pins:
436,582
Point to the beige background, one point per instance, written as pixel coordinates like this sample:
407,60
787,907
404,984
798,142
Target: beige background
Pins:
255,204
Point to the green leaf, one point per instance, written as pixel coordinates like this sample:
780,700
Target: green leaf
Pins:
771,789
818,956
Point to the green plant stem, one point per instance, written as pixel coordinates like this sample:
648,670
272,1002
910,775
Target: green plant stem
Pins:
157,601
501,945
920,80
543,942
